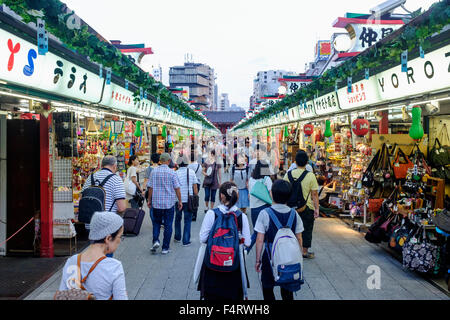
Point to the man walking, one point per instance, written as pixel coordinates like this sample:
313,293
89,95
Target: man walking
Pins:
114,188
310,189
164,190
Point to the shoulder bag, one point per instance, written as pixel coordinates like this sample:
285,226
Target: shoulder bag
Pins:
401,168
419,254
81,293
193,200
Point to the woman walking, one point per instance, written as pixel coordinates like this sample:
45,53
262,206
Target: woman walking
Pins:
132,176
102,276
211,182
239,175
215,285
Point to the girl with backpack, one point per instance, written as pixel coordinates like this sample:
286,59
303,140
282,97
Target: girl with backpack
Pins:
239,176
225,230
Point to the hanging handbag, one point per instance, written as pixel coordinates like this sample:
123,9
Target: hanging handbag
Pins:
368,176
419,254
193,200
401,168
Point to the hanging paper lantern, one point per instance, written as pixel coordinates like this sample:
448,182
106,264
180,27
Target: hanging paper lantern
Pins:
416,130
328,133
286,132
137,132
267,132
360,126
308,129
164,132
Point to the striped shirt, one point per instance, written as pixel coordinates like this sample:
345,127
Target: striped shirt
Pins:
163,181
182,176
197,168
114,188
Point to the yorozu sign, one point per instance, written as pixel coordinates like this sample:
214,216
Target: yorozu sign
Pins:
20,64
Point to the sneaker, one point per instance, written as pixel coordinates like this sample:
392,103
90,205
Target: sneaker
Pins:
309,255
155,246
166,251
175,240
187,244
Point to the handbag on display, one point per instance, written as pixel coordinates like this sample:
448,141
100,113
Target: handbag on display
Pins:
401,168
419,254
368,175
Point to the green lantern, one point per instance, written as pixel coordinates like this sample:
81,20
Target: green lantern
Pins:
137,132
267,132
328,133
164,132
273,132
286,132
416,130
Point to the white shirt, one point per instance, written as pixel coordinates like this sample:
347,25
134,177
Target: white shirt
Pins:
182,176
194,166
263,222
255,202
208,223
107,279
131,172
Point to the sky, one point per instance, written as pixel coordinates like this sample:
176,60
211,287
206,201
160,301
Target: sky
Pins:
237,38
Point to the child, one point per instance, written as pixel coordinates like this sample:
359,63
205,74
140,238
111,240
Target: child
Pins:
239,176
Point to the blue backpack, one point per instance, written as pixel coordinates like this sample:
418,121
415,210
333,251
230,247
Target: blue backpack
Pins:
222,249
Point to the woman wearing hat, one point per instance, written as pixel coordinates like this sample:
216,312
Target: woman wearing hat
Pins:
102,276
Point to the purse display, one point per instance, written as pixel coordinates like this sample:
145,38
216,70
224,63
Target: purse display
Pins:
419,254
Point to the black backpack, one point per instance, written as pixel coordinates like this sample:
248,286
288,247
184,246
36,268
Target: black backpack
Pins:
93,200
296,199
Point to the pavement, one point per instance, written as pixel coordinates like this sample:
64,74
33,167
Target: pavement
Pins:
344,267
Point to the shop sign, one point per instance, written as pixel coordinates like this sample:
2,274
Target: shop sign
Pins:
326,104
423,75
293,85
366,35
307,110
294,114
364,92
22,66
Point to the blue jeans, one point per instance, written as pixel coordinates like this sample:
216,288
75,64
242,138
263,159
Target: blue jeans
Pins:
254,214
163,216
187,224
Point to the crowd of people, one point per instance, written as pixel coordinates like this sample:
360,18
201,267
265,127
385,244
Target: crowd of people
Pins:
279,201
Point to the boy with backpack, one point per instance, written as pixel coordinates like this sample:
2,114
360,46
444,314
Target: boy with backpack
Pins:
304,198
280,230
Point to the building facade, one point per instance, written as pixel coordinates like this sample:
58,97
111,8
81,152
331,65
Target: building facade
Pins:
201,81
224,102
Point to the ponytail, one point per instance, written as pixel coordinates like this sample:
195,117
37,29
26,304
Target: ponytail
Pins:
230,191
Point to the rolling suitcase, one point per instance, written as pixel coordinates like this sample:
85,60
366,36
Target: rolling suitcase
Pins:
132,221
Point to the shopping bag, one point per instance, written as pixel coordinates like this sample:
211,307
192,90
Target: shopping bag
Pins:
130,187
260,191
199,262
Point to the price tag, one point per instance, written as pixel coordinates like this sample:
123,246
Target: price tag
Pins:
396,164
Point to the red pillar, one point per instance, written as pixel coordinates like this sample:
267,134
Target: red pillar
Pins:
46,189
384,123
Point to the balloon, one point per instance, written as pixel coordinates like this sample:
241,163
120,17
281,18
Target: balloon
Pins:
328,133
416,130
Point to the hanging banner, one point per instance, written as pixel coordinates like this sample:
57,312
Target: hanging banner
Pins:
363,93
326,104
423,75
307,110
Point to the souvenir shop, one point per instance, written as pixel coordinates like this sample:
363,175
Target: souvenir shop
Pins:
57,121
388,151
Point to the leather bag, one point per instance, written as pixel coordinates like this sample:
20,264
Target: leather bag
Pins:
401,168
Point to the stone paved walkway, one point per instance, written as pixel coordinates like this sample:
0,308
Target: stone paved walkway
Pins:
339,270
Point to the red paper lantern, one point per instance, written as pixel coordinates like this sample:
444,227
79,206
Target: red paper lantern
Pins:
308,129
360,126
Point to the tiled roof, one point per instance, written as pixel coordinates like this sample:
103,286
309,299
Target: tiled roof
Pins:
224,116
